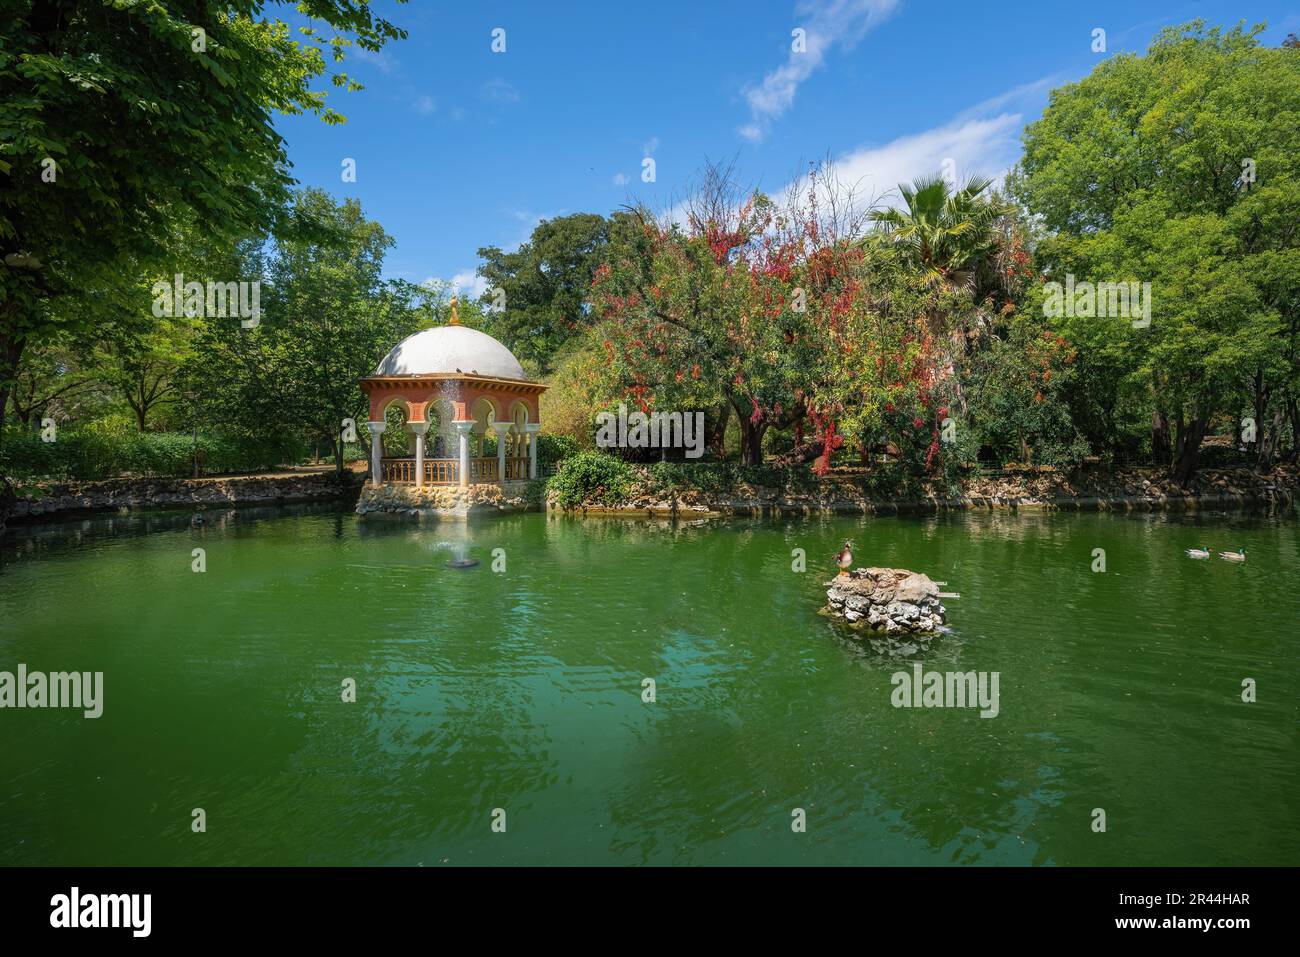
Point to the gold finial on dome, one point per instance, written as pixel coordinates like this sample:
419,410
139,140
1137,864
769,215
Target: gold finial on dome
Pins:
455,317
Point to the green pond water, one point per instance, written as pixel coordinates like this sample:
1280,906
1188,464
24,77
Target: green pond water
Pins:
522,690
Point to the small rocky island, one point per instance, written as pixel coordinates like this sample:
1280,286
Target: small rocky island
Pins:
890,600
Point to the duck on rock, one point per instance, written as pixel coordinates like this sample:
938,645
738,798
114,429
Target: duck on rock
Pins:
845,558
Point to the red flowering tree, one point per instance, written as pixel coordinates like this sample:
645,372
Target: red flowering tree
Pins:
710,313
796,316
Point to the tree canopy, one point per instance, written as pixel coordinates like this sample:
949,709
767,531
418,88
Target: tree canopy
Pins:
118,119
1177,168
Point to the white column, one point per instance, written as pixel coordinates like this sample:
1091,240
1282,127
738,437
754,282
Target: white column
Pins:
533,428
502,431
376,451
464,429
418,429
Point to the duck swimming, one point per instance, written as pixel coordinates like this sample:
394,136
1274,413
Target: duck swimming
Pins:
1197,552
845,558
1238,556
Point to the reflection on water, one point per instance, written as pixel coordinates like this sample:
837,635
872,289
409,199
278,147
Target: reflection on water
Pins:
523,690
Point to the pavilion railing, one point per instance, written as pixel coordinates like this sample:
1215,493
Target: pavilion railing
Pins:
398,470
440,471
447,471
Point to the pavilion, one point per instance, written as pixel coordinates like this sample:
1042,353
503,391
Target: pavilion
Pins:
455,385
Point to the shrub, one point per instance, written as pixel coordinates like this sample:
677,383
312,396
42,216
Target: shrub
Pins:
592,478
566,408
777,476
107,451
1018,390
667,477
1220,454
552,449
535,492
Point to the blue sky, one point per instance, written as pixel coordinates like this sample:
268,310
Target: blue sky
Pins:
458,147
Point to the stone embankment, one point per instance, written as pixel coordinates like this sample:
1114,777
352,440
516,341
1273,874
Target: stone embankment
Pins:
442,501
50,500
1130,489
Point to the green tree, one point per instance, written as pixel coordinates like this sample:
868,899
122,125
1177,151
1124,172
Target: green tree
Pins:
544,284
144,368
328,319
54,379
1177,168
117,118
1018,397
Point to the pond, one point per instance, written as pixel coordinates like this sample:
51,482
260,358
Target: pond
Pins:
522,690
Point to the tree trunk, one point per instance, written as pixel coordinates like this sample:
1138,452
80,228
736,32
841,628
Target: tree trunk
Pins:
11,353
1269,441
1188,458
751,442
1260,395
751,438
960,393
1293,410
805,452
1160,446
337,443
717,438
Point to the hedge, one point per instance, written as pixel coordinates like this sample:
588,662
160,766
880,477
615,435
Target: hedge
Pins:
91,454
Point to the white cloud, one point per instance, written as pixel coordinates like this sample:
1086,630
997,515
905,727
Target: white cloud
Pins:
498,90
648,148
620,179
464,284
424,105
468,284
1026,96
827,24
983,139
985,145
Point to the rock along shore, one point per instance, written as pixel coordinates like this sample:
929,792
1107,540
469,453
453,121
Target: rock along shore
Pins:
437,502
1130,489
1133,489
45,500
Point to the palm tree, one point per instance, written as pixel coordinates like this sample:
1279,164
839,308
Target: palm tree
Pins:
947,232
951,236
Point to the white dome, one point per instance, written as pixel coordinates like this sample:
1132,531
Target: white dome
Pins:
451,349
